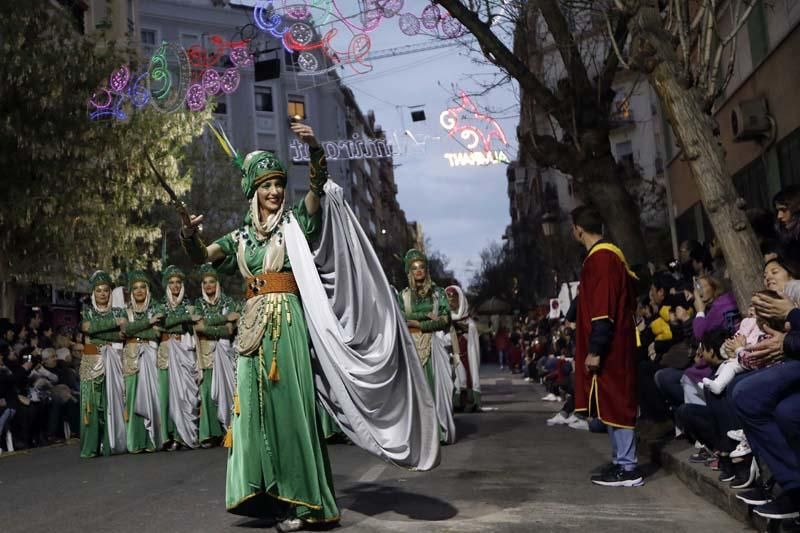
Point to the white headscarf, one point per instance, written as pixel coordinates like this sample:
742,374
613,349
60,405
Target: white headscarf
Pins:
276,247
94,301
134,307
463,307
217,295
174,301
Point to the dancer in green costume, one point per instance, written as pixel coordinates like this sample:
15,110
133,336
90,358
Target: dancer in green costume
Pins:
101,325
219,314
427,312
141,342
277,464
425,308
177,336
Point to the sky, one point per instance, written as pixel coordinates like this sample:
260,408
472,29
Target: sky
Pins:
462,209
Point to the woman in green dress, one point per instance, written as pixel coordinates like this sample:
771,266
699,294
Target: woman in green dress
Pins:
218,315
277,463
142,335
102,393
178,393
427,312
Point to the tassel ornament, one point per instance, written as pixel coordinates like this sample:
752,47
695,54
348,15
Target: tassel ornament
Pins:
227,442
273,370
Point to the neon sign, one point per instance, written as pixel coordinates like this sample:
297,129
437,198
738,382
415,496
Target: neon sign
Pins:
359,147
478,131
463,159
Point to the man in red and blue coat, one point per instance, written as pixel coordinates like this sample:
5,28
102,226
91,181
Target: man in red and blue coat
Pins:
605,350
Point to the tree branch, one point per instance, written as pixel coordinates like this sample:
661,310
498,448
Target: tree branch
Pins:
739,23
565,43
499,54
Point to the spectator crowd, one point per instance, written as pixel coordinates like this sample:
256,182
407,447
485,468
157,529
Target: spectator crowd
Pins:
39,383
727,379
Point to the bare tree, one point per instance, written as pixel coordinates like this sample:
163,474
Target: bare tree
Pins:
567,118
687,49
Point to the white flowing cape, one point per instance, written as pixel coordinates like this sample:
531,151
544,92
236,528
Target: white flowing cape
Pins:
443,383
367,372
473,342
115,399
184,393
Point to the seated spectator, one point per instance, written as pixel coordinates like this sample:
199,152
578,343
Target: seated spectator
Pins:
714,309
737,358
767,402
787,208
7,392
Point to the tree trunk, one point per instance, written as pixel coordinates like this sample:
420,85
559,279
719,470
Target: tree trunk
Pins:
8,292
602,187
694,129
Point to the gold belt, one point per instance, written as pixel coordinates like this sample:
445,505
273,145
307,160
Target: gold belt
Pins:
271,282
91,349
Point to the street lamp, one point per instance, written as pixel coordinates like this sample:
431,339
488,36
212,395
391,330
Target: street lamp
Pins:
549,225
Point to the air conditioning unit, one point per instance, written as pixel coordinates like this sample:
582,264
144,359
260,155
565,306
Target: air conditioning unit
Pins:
750,120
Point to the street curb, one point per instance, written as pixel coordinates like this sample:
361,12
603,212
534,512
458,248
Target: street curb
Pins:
703,481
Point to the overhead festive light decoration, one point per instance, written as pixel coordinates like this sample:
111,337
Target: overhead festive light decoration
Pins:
230,80
478,131
175,77
211,82
196,97
292,25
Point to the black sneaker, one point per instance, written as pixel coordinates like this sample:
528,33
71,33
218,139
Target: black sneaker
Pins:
756,496
792,526
746,474
602,470
726,471
787,505
703,455
619,477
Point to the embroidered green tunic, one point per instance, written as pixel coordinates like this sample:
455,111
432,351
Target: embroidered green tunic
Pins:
215,320
278,462
103,330
138,327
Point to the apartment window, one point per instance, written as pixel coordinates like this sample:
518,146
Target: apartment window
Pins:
758,32
368,195
624,151
297,107
355,178
222,105
190,39
290,59
148,38
264,99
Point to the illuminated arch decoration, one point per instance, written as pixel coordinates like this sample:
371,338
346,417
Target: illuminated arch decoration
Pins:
479,132
297,26
175,77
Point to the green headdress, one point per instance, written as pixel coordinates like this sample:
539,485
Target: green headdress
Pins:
256,167
100,278
137,275
171,272
208,270
411,256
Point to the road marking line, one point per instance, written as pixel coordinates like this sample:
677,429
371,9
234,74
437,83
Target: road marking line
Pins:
372,474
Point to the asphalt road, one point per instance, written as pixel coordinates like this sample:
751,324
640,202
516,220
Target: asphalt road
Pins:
508,472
